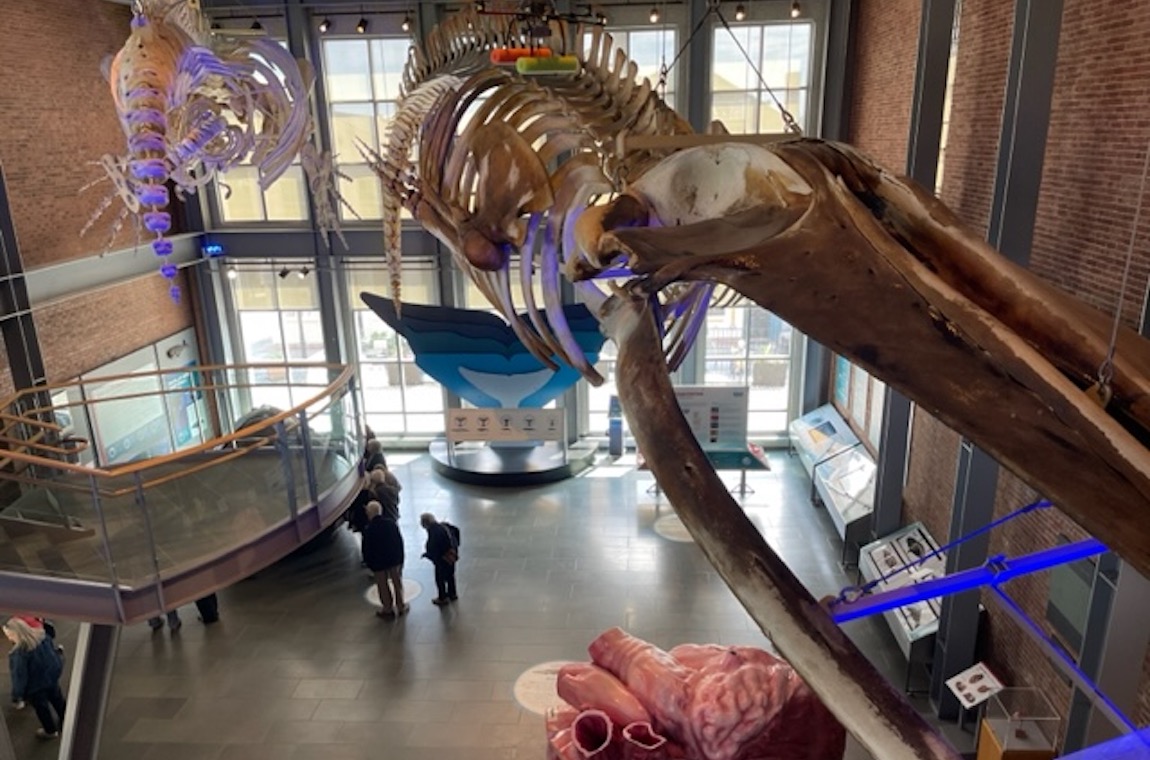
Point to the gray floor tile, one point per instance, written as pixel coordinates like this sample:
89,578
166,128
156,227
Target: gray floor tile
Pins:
300,668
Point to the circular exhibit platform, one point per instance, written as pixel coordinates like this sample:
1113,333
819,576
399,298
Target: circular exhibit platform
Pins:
510,464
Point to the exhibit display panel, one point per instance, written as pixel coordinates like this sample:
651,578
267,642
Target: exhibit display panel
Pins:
1019,724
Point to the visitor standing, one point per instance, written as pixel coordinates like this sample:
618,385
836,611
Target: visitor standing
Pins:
383,554
36,667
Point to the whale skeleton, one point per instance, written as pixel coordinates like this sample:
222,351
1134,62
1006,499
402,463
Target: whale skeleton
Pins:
863,261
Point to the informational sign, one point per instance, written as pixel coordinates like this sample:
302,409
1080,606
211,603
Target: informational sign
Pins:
974,685
717,415
505,425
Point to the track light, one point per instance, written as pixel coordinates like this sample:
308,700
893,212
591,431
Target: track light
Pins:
796,11
324,26
480,6
284,273
216,25
601,18
233,273
740,12
257,26
405,25
654,15
361,25
303,273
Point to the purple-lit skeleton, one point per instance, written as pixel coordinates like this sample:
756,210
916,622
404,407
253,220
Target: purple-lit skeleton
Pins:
193,104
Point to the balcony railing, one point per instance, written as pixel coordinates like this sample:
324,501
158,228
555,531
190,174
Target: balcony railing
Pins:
124,495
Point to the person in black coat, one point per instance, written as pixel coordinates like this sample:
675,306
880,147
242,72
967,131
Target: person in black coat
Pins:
383,555
36,667
441,550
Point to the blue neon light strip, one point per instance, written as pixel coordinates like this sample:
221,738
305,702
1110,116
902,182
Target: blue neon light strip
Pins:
995,571
1062,661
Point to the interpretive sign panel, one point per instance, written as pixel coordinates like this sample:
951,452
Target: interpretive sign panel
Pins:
717,415
505,425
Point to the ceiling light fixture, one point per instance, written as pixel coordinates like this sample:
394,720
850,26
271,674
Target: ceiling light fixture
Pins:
284,273
654,15
796,11
601,18
405,25
233,273
740,12
216,25
303,272
256,25
324,26
361,25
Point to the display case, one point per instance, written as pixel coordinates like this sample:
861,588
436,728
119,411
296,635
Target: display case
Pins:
819,435
1018,724
842,471
915,625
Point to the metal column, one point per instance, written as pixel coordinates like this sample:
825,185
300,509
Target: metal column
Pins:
95,657
957,638
1022,147
19,331
936,31
1117,634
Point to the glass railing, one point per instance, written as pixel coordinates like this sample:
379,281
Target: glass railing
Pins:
94,488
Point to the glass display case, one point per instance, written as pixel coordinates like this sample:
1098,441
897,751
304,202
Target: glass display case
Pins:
915,625
842,472
1018,724
820,434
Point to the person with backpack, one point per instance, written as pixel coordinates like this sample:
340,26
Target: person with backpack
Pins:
442,549
36,667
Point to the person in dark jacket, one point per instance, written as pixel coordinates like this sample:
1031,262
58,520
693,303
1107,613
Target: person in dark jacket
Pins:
383,555
441,550
36,667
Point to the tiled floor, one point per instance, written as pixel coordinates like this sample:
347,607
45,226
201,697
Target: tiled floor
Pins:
300,668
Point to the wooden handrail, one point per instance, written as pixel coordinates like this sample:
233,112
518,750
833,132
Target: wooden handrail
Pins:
248,432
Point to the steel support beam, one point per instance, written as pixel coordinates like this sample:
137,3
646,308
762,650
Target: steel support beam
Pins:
93,662
936,30
25,361
1018,177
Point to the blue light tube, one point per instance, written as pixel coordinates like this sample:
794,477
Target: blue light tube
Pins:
995,571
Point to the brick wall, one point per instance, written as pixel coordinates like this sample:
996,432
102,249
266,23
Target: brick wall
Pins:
56,116
977,98
125,317
883,78
1096,146
931,469
1097,141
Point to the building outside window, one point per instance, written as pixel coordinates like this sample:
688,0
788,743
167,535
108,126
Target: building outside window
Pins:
278,315
239,198
744,344
397,398
650,46
783,53
362,77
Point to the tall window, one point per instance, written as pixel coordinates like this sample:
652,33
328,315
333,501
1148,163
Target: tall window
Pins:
363,77
398,398
747,346
277,306
783,53
240,198
651,47
860,398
